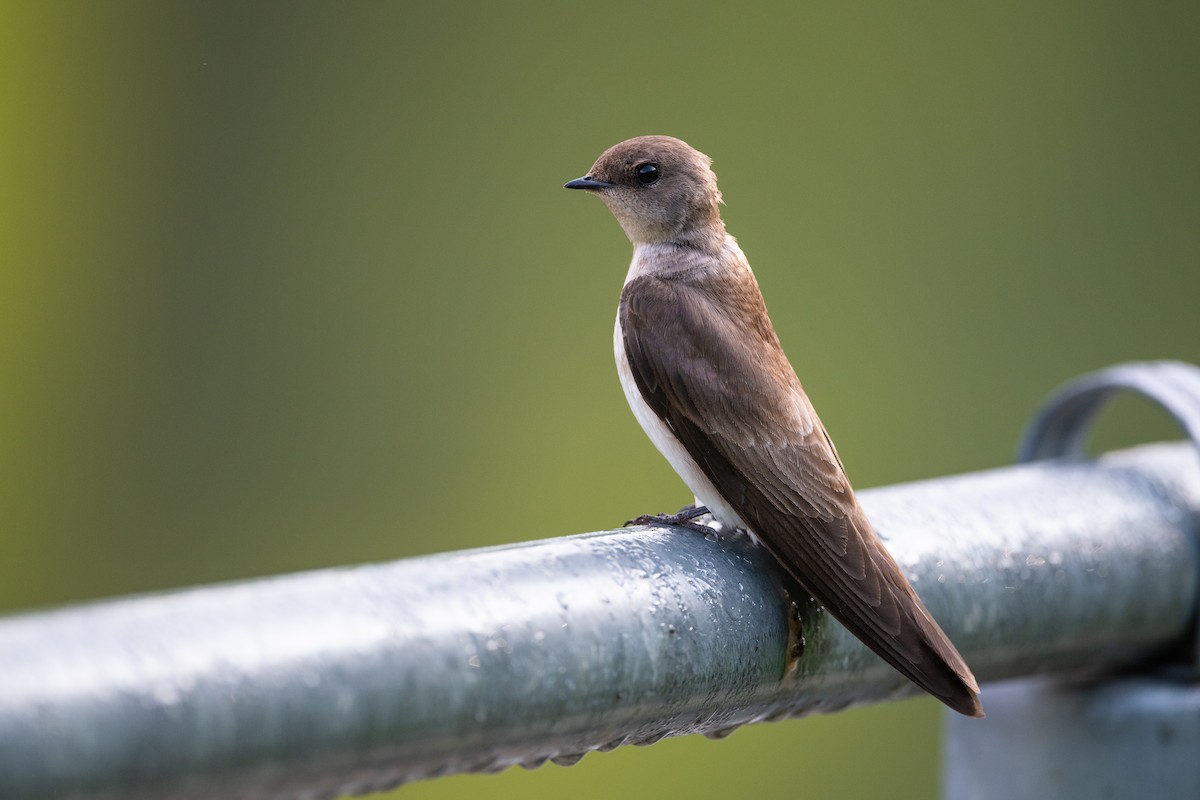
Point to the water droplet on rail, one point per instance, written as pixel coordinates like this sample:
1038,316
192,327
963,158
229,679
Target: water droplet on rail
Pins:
569,760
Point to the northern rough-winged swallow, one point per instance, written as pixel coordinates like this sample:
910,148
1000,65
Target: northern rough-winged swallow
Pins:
707,379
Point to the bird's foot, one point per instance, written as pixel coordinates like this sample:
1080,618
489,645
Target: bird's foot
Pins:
684,517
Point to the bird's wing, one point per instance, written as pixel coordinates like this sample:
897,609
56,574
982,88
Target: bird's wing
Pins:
713,370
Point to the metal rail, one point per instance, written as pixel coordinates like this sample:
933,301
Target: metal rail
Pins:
351,680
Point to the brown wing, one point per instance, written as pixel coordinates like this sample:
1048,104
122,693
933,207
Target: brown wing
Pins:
708,363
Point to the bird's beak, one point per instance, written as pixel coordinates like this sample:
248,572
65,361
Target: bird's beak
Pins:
589,183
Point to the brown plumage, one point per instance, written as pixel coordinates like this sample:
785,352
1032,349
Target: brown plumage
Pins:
707,378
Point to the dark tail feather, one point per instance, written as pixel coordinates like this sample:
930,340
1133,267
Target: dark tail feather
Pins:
898,627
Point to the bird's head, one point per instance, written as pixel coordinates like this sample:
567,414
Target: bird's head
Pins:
660,189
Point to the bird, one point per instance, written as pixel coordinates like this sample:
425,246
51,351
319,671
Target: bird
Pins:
707,378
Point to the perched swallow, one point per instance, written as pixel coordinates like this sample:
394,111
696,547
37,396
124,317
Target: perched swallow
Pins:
705,375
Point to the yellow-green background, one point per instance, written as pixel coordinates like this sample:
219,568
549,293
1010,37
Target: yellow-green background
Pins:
285,286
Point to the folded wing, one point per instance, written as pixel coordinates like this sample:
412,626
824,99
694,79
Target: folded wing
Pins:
713,370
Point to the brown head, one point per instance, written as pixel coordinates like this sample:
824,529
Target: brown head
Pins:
660,190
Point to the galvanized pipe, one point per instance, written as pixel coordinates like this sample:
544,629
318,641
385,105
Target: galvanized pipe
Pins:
351,680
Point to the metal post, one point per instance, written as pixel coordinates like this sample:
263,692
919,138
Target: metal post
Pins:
1046,740
1071,740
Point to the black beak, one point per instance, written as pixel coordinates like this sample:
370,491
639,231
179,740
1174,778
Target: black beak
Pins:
588,182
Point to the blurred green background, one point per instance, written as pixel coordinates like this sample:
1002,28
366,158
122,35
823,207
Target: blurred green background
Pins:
285,286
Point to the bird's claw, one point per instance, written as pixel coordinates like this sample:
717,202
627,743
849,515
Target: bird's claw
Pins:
685,518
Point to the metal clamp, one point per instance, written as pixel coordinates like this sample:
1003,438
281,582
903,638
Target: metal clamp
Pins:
1061,427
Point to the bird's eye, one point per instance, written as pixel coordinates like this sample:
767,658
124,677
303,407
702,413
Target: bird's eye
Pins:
647,174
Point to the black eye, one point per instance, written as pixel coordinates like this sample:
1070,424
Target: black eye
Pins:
647,174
